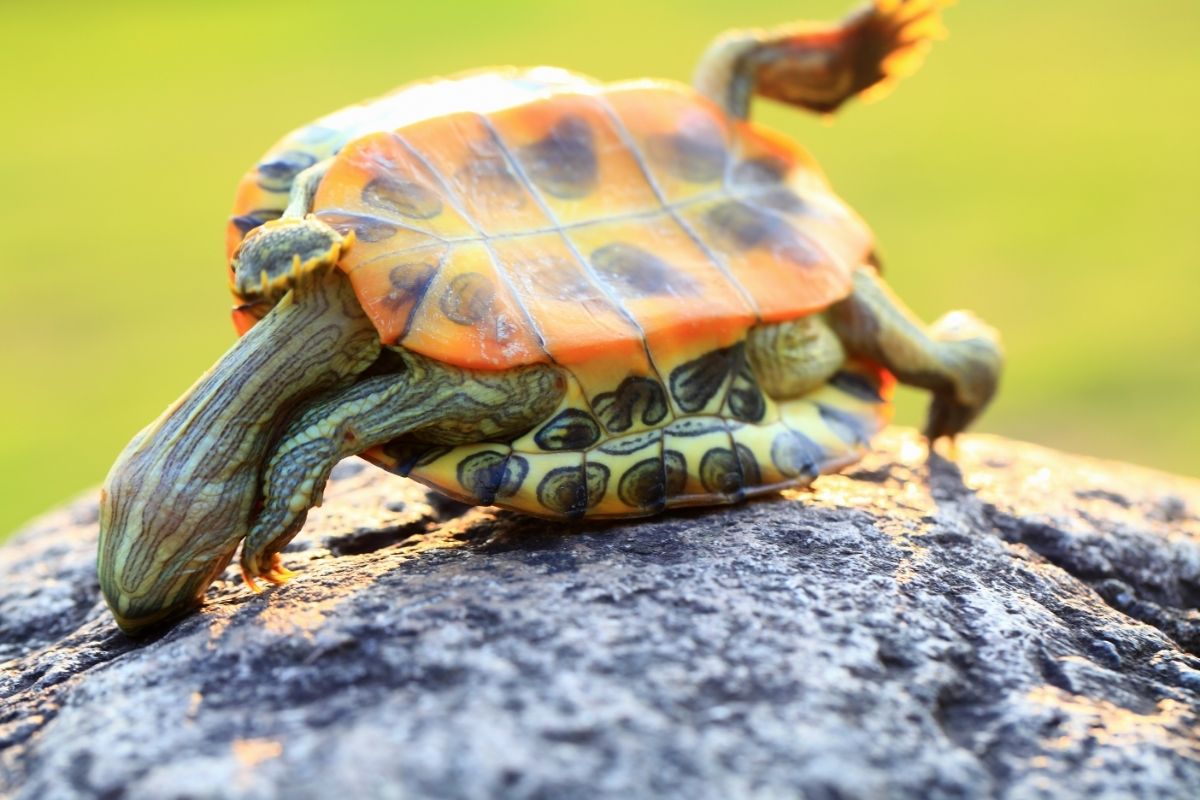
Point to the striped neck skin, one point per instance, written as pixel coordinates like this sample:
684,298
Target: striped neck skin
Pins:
182,494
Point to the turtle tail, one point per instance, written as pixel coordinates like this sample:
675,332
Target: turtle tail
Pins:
820,66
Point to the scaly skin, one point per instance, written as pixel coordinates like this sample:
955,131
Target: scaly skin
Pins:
958,358
435,403
180,497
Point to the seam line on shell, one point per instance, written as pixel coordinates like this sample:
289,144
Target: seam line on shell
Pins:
671,210
452,198
583,262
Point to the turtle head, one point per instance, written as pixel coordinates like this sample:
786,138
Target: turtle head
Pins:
273,257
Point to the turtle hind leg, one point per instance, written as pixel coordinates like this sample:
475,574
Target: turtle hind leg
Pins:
820,66
427,401
958,358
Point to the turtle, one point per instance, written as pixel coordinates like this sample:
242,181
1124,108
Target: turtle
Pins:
527,288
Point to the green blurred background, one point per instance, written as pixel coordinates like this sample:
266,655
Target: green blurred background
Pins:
1041,169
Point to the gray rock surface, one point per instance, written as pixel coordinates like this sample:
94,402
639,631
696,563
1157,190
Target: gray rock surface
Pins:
1017,624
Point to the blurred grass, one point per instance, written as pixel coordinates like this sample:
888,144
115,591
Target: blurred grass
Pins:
1041,169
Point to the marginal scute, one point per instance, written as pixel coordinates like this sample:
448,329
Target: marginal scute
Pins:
572,490
488,475
636,398
794,454
563,163
634,272
468,299
572,429
405,198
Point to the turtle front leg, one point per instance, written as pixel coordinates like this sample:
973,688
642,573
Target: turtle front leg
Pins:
958,358
427,401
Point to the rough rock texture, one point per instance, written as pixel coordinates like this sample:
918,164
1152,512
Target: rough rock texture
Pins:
1016,624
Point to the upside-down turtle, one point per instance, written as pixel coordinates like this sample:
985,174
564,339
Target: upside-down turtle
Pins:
527,288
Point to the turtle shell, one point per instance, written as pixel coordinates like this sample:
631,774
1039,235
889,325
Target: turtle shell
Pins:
520,216
630,233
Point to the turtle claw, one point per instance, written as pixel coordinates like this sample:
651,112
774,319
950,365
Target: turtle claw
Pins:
278,574
250,581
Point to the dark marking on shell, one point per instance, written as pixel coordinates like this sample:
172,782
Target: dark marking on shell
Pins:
856,385
695,152
745,398
695,426
277,174
749,227
751,475
248,222
644,485
794,454
406,198
695,383
409,455
563,163
634,272
469,298
675,466
649,483
516,469
570,430
849,427
367,229
721,472
631,444
488,475
759,171
573,490
409,282
636,397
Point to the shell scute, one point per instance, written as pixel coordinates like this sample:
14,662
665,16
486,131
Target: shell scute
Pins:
686,141
572,151
476,170
468,310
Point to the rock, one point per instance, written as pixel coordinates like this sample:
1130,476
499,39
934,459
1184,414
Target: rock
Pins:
1020,624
